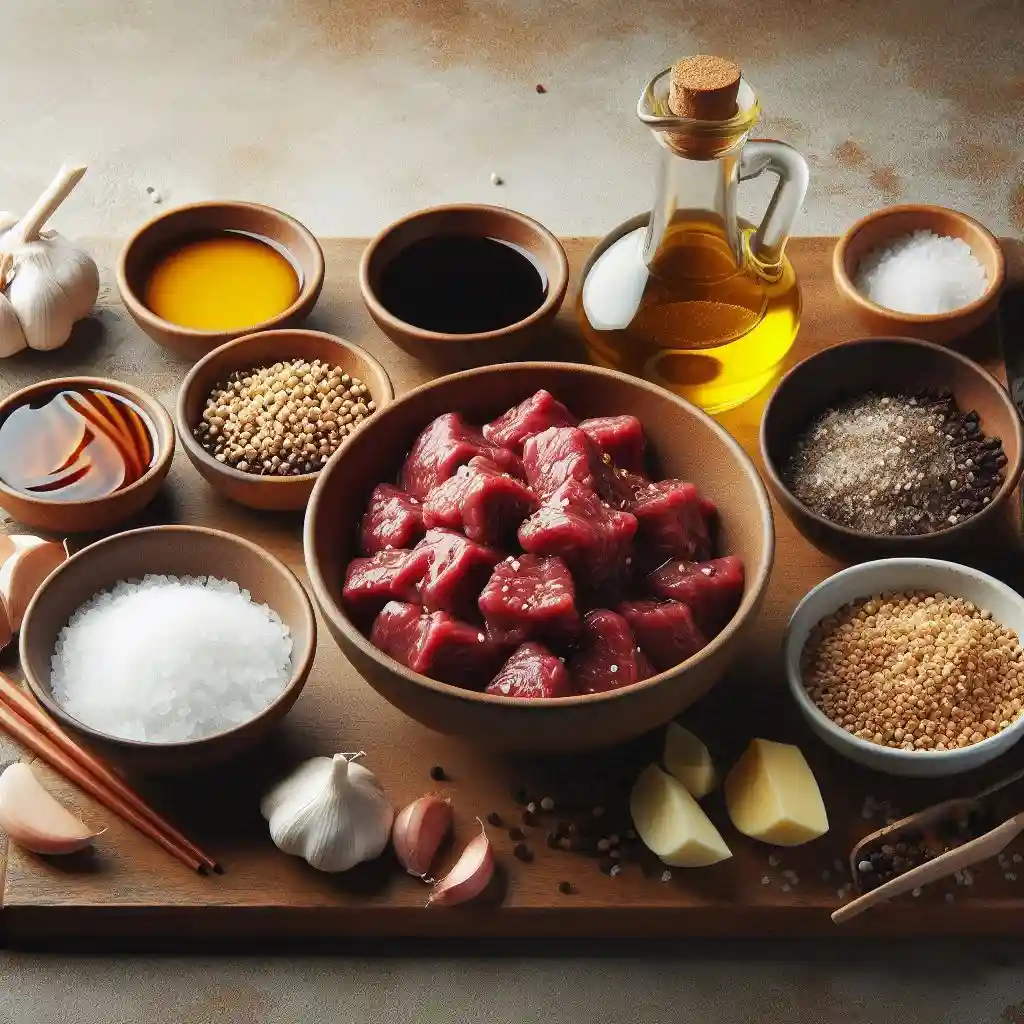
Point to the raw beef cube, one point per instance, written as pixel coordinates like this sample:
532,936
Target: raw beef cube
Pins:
480,499
607,657
530,597
436,645
621,438
713,590
594,540
389,575
532,672
671,522
532,416
393,519
559,454
665,631
449,442
456,572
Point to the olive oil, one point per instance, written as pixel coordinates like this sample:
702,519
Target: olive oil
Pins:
75,445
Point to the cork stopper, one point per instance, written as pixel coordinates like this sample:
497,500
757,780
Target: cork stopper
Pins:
704,88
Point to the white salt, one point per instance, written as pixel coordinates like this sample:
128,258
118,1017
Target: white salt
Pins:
170,658
922,273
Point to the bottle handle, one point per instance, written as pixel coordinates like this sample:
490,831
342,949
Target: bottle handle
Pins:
766,243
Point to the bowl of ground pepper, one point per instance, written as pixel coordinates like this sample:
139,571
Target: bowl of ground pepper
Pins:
910,666
892,446
259,417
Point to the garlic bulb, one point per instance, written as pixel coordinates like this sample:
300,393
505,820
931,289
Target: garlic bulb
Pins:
46,282
330,811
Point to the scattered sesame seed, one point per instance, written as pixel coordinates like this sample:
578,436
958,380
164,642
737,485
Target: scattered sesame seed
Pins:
766,880
666,875
615,870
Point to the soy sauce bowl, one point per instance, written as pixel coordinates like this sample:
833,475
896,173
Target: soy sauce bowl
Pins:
456,350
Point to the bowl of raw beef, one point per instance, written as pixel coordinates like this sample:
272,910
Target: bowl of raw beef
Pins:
540,556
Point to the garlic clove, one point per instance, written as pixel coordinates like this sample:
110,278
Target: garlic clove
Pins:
6,633
469,877
32,818
23,571
12,337
418,832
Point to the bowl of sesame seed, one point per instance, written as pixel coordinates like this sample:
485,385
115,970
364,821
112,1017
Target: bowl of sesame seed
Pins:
910,666
259,417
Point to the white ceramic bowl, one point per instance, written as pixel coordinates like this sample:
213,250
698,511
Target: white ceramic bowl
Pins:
896,574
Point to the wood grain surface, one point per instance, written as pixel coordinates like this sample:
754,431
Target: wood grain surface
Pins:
128,888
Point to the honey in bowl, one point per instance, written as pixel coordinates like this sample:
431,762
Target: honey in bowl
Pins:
224,281
75,445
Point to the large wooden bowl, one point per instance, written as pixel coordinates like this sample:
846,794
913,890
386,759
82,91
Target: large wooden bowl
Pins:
273,493
174,551
686,442
886,365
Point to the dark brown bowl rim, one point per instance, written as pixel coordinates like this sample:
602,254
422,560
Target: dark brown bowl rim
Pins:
142,312
198,453
301,661
146,402
849,289
1010,479
557,286
331,608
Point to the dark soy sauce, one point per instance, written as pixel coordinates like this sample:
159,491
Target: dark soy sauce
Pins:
462,284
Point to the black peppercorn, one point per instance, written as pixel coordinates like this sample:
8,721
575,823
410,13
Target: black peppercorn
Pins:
565,888
515,834
523,852
437,773
494,818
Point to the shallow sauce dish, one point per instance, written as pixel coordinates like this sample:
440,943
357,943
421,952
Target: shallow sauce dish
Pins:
685,442
101,513
273,493
154,239
173,551
863,581
880,229
885,365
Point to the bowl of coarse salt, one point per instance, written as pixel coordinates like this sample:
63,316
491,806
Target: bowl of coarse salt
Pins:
169,648
919,271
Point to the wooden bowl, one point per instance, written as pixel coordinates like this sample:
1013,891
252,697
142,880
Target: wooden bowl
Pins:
453,351
879,229
685,441
175,226
65,517
274,493
176,551
893,365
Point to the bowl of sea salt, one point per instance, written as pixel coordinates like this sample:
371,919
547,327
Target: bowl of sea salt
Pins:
169,648
920,271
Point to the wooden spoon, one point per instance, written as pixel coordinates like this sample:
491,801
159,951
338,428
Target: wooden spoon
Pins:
982,848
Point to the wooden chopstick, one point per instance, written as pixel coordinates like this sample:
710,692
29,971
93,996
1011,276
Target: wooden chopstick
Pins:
44,737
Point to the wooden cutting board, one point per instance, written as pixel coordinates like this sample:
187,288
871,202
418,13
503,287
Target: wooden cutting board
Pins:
130,889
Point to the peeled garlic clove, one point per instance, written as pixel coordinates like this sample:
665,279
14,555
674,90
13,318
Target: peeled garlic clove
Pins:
23,572
418,832
34,819
469,877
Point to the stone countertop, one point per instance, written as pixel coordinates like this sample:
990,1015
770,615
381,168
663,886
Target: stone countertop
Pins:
349,115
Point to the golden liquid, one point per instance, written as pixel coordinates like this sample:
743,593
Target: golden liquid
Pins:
221,282
712,333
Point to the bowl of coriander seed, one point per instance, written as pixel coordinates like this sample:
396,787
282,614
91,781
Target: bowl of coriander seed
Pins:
260,417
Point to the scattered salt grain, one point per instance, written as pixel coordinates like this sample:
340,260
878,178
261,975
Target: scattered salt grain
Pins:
922,273
168,659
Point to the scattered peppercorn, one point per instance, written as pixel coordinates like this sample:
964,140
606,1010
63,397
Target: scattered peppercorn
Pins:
521,796
606,864
516,834
552,840
527,816
494,818
523,852
540,88
565,888
282,420
437,773
915,671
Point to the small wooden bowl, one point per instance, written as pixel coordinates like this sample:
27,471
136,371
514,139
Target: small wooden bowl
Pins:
274,493
880,228
65,517
174,551
152,239
453,351
885,365
685,442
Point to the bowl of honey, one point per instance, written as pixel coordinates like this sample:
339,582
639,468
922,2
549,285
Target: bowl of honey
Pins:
81,454
464,284
201,275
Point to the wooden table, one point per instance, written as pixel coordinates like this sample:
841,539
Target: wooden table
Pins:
130,889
